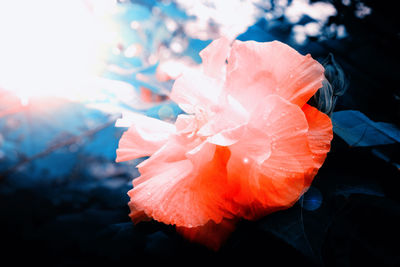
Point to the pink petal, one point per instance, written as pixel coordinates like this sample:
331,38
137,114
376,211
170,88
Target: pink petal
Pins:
319,133
227,137
177,148
179,196
214,58
202,88
256,70
185,124
272,165
201,154
173,150
194,89
143,138
227,125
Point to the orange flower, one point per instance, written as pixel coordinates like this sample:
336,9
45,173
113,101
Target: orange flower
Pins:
247,146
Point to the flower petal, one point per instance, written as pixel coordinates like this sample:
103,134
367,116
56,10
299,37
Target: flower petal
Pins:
227,125
227,137
201,154
178,195
185,124
319,133
145,136
214,58
193,89
272,166
256,70
172,151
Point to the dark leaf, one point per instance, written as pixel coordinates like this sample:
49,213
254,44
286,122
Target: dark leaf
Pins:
356,129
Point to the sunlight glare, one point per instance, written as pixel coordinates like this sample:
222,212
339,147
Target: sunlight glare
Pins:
53,47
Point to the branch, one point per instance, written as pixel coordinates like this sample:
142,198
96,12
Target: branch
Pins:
54,147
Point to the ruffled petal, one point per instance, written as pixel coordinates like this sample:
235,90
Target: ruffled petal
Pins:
227,137
214,58
227,125
256,70
319,133
270,168
172,151
201,154
185,124
200,89
144,137
177,148
180,196
194,90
